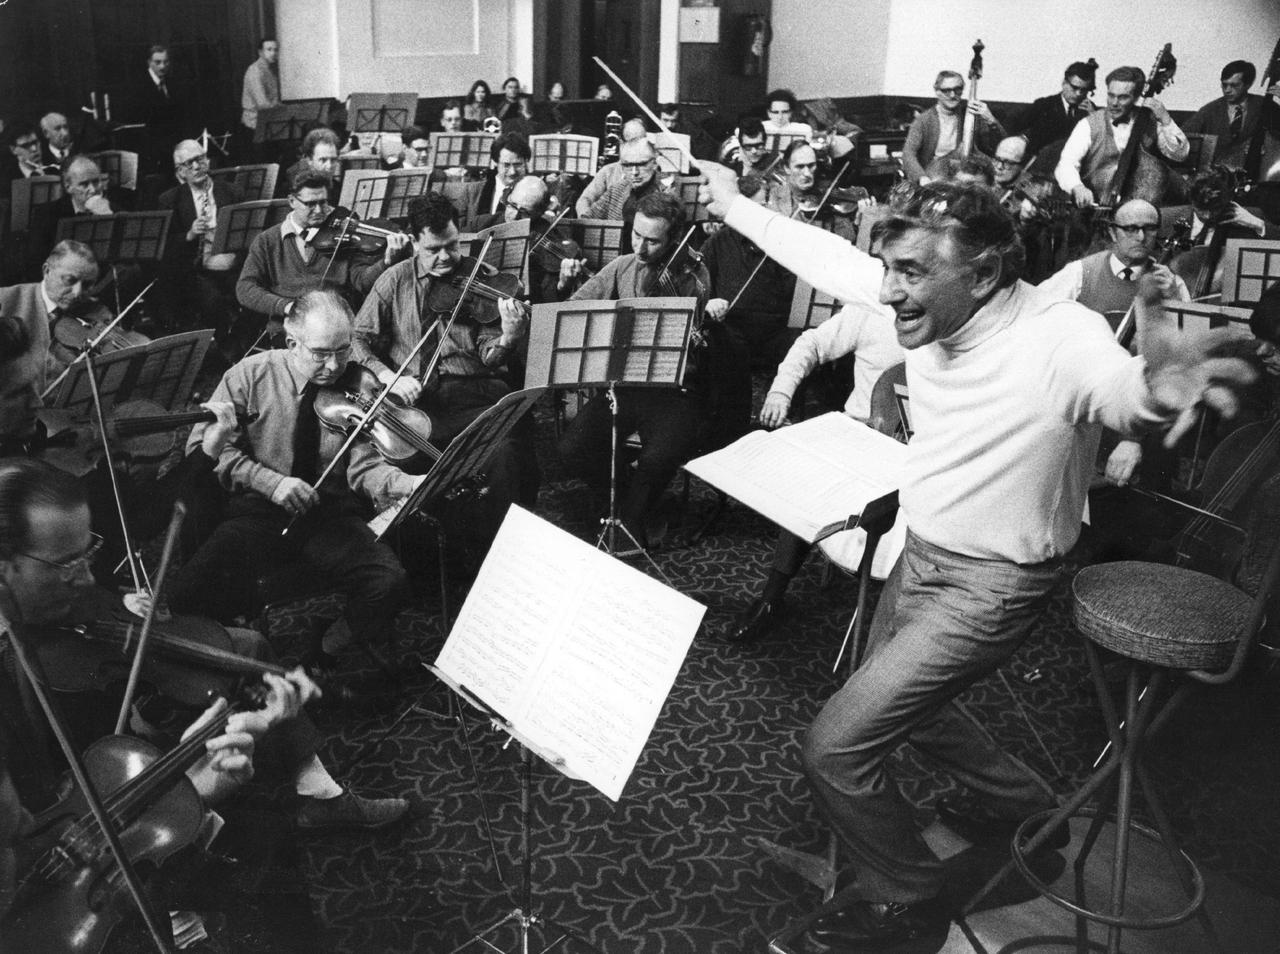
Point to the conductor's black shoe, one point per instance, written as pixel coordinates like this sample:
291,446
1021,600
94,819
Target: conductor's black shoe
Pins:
876,926
754,622
972,818
350,810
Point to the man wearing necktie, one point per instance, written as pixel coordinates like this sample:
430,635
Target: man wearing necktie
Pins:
1233,117
1051,118
162,108
491,203
1092,151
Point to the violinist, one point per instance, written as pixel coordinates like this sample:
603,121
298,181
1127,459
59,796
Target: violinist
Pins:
556,265
609,175
799,193
1092,152
939,132
488,203
751,156
672,422
639,162
282,267
1009,162
271,473
45,311
758,289
417,297
318,152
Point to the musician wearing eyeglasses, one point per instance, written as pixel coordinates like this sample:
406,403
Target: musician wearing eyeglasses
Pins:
1092,152
751,157
281,266
1051,118
21,158
939,132
608,175
638,161
489,204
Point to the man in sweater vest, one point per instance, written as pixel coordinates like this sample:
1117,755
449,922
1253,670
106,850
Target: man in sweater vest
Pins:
282,266
1009,392
1107,281
1092,153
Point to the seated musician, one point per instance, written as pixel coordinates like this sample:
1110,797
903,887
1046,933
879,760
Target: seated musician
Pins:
415,151
201,282
1215,214
1092,152
610,175
84,192
451,117
1107,281
865,332
271,472
799,193
1234,116
489,203
939,132
318,152
281,267
58,145
553,274
976,169
37,314
672,421
21,158
761,300
639,162
416,298
751,157
781,108
1009,162
1051,118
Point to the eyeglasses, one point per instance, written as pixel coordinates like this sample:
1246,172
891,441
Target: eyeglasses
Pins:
1088,88
512,165
321,356
68,570
639,165
1006,163
31,143
193,161
950,90
1135,229
313,204
753,146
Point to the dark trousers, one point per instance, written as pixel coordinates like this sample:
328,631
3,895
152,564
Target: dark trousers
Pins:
671,426
944,621
220,580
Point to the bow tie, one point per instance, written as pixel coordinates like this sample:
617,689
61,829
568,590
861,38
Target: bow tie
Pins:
1122,122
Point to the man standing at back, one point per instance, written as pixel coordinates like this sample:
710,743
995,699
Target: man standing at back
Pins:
261,87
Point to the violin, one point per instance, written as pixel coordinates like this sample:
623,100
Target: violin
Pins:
73,333
840,201
480,301
343,230
141,432
399,432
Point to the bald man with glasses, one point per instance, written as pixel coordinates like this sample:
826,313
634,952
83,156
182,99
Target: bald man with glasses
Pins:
939,132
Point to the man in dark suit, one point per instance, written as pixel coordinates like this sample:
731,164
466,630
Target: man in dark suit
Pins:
199,284
21,159
162,108
1051,118
486,202
1234,117
58,144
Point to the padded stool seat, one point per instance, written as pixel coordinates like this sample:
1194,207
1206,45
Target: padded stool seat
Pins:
1162,615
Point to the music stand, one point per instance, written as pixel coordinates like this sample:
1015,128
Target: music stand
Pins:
865,222
120,167
381,112
30,194
1202,316
257,181
564,154
673,152
403,186
599,239
686,189
240,223
810,307
637,342
781,142
364,192
468,150
1250,267
120,237
355,162
508,248
289,121
163,371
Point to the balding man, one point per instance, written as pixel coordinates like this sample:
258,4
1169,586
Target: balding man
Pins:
610,174
1009,161
273,471
639,162
84,192
553,275
58,144
30,315
1107,281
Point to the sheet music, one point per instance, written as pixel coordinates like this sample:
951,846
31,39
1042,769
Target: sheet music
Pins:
812,474
576,649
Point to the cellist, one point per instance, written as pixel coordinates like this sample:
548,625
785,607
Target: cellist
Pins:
1092,152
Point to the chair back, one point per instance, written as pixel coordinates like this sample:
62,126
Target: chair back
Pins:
886,406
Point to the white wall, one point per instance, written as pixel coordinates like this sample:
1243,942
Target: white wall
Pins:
864,47
428,47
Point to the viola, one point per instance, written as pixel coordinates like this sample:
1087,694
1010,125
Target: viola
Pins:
398,431
343,230
479,299
142,435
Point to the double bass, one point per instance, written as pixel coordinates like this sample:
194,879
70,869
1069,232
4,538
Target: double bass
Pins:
1141,173
939,166
1262,159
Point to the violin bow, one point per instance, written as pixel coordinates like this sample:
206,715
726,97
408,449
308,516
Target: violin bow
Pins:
337,245
139,654
665,274
763,257
381,399
648,112
93,345
538,242
36,678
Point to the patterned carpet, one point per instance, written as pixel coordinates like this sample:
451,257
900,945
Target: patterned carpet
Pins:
673,866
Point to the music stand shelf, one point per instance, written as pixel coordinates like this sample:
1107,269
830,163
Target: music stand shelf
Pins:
120,237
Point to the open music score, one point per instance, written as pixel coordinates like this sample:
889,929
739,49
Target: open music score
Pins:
163,371
239,224
1250,267
809,478
810,307
257,181
573,650
468,150
120,237
565,154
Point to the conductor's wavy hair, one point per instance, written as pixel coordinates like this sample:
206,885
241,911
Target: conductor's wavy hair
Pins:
980,228
26,485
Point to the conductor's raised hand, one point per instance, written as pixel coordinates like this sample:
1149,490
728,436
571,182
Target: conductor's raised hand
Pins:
1182,372
720,189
